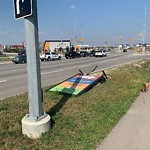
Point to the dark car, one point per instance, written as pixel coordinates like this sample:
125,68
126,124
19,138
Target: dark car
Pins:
124,50
23,52
92,53
20,59
72,54
84,53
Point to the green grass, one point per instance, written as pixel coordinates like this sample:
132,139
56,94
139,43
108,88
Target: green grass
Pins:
4,58
78,122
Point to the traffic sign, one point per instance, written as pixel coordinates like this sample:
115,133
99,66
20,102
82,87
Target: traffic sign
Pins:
23,8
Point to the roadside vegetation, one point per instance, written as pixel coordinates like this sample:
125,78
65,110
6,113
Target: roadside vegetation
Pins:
4,58
78,122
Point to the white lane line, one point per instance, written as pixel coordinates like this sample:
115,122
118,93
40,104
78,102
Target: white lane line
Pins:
51,72
2,81
83,65
2,63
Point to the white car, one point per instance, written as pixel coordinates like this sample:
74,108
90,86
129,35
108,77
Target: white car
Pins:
50,56
100,53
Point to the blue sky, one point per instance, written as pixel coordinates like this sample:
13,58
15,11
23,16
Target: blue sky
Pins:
114,21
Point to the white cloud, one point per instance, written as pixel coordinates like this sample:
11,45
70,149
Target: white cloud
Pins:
141,34
72,7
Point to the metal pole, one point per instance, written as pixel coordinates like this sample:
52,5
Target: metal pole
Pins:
75,30
82,36
33,65
61,40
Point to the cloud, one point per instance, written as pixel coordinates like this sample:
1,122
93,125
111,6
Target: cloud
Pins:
140,34
72,7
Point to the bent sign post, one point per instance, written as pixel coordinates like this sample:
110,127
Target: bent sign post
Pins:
36,122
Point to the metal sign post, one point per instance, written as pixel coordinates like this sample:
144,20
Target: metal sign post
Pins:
33,66
36,122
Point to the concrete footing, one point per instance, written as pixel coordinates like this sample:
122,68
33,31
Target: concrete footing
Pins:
34,129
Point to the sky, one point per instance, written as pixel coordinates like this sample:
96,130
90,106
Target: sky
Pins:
96,21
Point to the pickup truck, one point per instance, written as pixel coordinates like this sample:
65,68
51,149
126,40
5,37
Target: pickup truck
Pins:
50,56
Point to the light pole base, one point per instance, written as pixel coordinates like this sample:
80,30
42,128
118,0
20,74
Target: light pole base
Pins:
34,129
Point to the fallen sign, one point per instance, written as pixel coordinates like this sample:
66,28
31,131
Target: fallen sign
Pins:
78,83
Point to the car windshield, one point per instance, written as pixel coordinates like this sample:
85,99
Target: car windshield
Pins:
54,53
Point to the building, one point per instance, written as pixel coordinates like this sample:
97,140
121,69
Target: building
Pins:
55,45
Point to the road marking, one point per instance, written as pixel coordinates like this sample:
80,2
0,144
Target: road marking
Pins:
2,63
2,81
51,72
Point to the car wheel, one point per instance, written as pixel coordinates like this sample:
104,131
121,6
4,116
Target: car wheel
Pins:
48,59
23,62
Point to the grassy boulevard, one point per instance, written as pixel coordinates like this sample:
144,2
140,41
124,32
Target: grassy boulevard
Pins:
4,58
78,122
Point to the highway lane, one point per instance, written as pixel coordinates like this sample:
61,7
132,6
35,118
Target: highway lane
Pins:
13,78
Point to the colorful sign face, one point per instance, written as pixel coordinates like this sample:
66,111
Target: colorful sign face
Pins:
76,84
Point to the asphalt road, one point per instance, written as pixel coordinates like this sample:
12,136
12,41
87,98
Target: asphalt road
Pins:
13,78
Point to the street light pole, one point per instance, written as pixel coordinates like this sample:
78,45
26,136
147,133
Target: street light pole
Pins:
61,40
75,26
82,35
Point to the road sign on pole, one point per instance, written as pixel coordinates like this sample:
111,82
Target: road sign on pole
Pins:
23,8
36,122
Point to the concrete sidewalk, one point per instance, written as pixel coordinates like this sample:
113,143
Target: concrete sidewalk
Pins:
133,131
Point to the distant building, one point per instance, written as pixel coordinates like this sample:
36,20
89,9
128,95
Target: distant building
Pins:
55,45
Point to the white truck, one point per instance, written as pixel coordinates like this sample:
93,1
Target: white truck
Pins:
50,56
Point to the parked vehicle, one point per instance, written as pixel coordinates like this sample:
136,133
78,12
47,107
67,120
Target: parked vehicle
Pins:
20,59
84,53
50,56
124,50
72,54
100,53
92,53
23,52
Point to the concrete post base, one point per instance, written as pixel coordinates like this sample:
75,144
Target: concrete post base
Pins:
34,129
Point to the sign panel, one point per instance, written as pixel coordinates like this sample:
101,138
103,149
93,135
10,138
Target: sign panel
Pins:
76,84
52,45
22,8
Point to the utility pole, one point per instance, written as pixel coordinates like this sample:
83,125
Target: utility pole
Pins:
75,26
145,25
82,35
106,39
36,122
61,40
